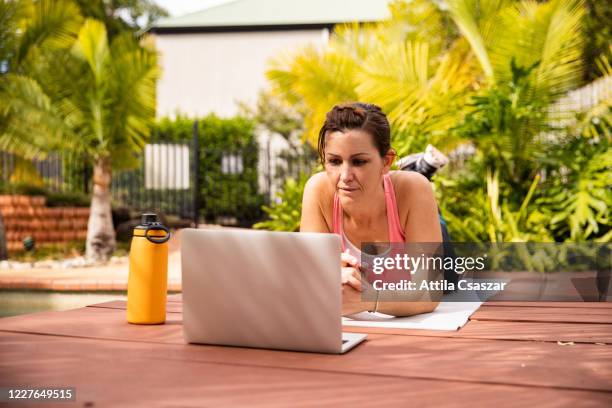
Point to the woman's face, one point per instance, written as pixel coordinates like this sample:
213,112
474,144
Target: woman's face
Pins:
353,164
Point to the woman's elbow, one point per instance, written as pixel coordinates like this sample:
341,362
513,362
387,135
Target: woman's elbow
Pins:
431,306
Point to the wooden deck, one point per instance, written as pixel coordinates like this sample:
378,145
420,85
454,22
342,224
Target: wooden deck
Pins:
509,354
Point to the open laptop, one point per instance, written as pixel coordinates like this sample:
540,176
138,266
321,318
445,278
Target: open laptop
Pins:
276,290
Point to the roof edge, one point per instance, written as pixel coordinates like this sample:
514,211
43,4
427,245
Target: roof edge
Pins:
242,28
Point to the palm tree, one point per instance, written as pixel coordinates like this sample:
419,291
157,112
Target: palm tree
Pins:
412,65
67,88
107,101
530,54
28,123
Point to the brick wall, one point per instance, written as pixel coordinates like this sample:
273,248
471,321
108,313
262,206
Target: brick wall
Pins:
28,216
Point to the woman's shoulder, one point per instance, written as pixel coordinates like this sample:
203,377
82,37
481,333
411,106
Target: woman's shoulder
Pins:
409,187
320,191
409,182
319,188
319,184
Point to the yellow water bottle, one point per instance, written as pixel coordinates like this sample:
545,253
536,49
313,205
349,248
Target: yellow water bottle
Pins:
148,278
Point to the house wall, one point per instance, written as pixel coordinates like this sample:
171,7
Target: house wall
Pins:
209,72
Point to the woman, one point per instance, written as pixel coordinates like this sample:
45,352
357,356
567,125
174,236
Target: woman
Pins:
358,198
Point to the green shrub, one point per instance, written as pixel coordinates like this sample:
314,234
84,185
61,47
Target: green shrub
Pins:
22,189
286,213
68,199
222,194
63,199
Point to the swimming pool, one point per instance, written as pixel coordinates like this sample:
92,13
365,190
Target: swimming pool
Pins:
17,302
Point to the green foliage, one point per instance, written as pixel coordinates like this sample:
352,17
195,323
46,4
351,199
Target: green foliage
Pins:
22,189
494,80
109,101
68,199
275,115
285,214
412,66
598,34
577,190
29,124
123,15
69,88
222,194
504,125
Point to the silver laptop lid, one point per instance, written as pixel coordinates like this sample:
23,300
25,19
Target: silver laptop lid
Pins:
263,289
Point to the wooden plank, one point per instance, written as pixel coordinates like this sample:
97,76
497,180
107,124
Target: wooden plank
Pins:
503,330
184,379
545,315
507,313
588,305
108,374
535,331
453,359
171,307
569,309
81,322
178,297
95,322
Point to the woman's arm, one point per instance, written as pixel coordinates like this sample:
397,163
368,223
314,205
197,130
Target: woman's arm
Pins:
313,219
414,193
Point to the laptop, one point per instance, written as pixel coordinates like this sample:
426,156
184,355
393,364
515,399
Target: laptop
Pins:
263,289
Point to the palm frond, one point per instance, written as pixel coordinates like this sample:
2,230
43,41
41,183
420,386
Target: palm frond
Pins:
133,97
399,79
29,126
49,23
548,35
92,47
477,20
319,81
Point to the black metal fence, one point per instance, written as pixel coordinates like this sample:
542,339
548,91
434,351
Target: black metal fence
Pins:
227,186
165,181
55,172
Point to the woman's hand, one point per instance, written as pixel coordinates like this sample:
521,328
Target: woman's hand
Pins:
350,271
352,286
351,301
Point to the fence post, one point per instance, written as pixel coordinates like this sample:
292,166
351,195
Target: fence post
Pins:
196,175
85,176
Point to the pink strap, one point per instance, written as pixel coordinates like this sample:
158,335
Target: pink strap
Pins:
396,232
337,220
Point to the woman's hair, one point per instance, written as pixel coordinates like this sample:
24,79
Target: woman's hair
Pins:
357,115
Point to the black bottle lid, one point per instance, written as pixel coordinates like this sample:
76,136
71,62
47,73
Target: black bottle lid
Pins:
148,219
149,222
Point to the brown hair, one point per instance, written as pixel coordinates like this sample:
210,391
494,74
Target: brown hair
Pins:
357,115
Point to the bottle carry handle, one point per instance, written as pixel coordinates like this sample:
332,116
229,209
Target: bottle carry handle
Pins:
155,240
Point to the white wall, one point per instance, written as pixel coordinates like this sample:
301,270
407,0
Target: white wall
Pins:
209,72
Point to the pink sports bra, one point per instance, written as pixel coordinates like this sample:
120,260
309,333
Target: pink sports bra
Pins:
396,232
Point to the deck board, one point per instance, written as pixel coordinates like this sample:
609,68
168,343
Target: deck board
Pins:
544,315
518,314
362,362
496,358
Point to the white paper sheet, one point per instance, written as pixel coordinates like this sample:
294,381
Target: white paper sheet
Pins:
449,315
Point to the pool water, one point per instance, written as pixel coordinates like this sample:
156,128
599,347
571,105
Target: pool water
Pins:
17,302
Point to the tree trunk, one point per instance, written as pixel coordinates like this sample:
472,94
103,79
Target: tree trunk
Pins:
100,231
3,251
